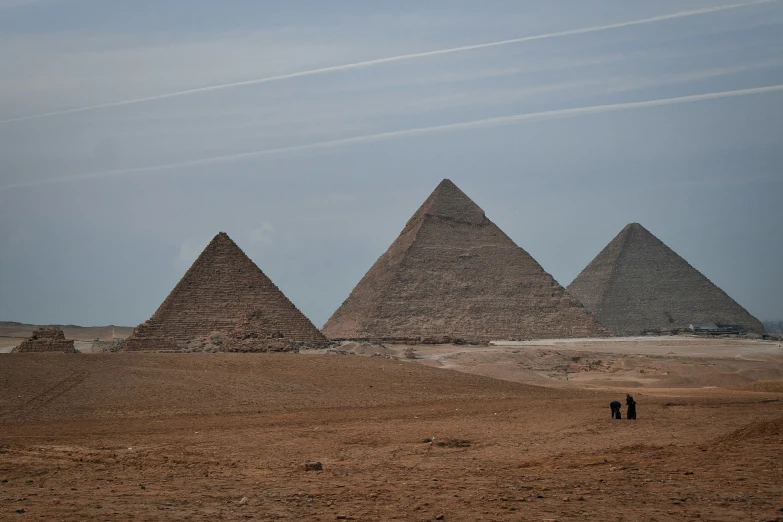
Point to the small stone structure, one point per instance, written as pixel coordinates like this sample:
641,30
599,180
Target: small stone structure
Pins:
453,276
46,339
638,285
225,302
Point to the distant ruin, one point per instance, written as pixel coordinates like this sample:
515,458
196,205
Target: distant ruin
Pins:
638,285
453,276
225,302
46,339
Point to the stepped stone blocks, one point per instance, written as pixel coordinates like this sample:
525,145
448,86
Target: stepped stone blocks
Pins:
453,276
46,339
257,330
224,294
639,285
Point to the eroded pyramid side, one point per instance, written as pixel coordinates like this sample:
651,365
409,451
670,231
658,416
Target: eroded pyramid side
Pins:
221,289
637,284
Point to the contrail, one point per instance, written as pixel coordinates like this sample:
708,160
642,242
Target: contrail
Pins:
382,136
390,59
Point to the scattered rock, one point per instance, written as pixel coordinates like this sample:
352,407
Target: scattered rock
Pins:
451,443
311,466
110,346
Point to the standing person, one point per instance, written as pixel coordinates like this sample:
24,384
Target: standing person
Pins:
615,405
631,406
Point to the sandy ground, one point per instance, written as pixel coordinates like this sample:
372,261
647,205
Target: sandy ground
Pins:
223,436
682,345
628,363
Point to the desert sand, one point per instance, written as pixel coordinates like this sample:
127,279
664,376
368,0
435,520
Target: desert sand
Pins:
145,436
627,362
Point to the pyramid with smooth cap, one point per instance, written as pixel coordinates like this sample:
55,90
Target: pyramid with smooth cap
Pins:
225,296
639,285
452,275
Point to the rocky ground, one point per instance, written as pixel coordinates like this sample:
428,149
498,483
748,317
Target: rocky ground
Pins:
224,436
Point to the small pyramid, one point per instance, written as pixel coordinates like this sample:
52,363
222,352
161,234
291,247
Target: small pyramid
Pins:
637,284
453,275
220,291
46,339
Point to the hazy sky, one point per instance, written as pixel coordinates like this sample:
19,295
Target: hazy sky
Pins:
103,208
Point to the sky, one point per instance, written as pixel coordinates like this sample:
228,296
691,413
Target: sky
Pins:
133,131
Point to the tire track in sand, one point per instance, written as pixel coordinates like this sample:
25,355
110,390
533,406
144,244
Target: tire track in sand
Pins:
45,397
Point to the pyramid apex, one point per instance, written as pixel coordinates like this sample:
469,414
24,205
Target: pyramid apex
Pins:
638,230
447,201
222,237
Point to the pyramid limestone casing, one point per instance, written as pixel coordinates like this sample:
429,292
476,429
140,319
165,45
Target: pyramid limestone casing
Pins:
637,284
452,274
220,291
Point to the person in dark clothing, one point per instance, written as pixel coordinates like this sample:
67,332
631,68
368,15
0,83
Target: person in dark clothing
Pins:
631,406
615,405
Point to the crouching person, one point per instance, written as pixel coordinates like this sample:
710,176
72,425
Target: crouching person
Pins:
615,405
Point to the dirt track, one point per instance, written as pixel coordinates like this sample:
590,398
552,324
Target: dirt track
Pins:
169,436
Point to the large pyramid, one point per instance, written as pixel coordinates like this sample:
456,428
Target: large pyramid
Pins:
452,274
637,284
224,295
